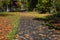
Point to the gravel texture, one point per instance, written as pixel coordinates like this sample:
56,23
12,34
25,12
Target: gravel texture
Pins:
30,29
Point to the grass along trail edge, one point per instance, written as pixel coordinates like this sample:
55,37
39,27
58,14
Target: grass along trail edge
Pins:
15,26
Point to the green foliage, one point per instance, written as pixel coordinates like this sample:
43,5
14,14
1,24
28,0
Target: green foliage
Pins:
6,2
54,16
1,4
44,1
58,2
44,5
32,4
19,3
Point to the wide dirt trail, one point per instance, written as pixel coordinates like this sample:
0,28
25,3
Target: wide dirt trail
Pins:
30,29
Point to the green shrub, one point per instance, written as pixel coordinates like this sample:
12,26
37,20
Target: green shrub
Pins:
44,5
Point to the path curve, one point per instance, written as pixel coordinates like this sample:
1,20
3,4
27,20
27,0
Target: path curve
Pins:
30,29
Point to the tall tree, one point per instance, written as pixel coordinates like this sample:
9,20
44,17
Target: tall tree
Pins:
6,3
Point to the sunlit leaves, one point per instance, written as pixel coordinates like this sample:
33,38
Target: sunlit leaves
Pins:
19,3
44,1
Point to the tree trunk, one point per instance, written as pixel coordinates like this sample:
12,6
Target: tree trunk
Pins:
7,9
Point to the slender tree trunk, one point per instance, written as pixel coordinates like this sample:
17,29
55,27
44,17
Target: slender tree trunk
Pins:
7,9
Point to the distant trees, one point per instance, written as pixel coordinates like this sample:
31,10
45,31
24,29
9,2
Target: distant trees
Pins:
51,6
58,5
32,4
41,5
22,4
1,5
44,5
6,4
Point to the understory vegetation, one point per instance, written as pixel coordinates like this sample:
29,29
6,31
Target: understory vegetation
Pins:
52,21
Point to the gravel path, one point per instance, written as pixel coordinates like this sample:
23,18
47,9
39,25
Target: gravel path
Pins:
30,29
